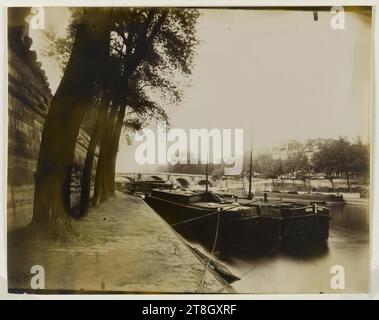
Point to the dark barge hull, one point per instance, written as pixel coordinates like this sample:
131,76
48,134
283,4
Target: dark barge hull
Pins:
300,223
307,228
234,232
144,186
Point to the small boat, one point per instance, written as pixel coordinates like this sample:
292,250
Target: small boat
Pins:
205,216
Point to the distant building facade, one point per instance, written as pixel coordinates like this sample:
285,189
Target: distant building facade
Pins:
292,148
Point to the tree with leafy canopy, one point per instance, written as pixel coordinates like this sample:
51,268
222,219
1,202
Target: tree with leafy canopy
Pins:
341,157
324,161
289,168
351,159
269,167
301,166
162,40
359,159
172,52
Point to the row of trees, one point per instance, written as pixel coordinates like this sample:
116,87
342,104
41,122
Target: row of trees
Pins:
335,158
123,63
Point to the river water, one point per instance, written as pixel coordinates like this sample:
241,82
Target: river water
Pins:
306,269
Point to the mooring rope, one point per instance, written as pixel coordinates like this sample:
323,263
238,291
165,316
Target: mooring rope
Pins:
197,218
273,249
203,216
202,282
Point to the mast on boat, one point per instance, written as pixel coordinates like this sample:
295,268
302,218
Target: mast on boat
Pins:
249,196
206,177
206,171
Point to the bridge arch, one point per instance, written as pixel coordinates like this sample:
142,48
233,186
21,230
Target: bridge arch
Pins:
157,178
184,183
203,182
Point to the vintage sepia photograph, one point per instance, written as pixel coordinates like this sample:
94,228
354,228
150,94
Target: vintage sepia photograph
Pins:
164,150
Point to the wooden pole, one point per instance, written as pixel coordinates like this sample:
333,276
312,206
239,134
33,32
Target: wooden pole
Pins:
249,196
206,177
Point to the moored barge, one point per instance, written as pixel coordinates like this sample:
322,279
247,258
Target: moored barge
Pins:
215,221
308,197
303,222
145,186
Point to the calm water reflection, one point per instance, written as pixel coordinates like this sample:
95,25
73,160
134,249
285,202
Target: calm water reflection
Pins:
306,268
351,216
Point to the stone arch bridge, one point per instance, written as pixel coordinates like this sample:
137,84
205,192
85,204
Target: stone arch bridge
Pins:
183,179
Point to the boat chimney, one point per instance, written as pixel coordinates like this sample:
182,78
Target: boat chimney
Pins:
265,196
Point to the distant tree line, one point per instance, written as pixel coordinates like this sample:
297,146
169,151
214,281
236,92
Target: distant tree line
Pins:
335,158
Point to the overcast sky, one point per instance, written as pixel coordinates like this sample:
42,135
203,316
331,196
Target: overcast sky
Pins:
296,78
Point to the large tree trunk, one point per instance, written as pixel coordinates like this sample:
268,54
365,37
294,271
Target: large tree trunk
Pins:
114,150
63,121
90,155
103,175
101,192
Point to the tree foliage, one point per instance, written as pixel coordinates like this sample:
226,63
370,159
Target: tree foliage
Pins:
125,60
341,157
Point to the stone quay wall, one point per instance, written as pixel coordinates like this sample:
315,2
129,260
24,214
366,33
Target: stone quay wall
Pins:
29,97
